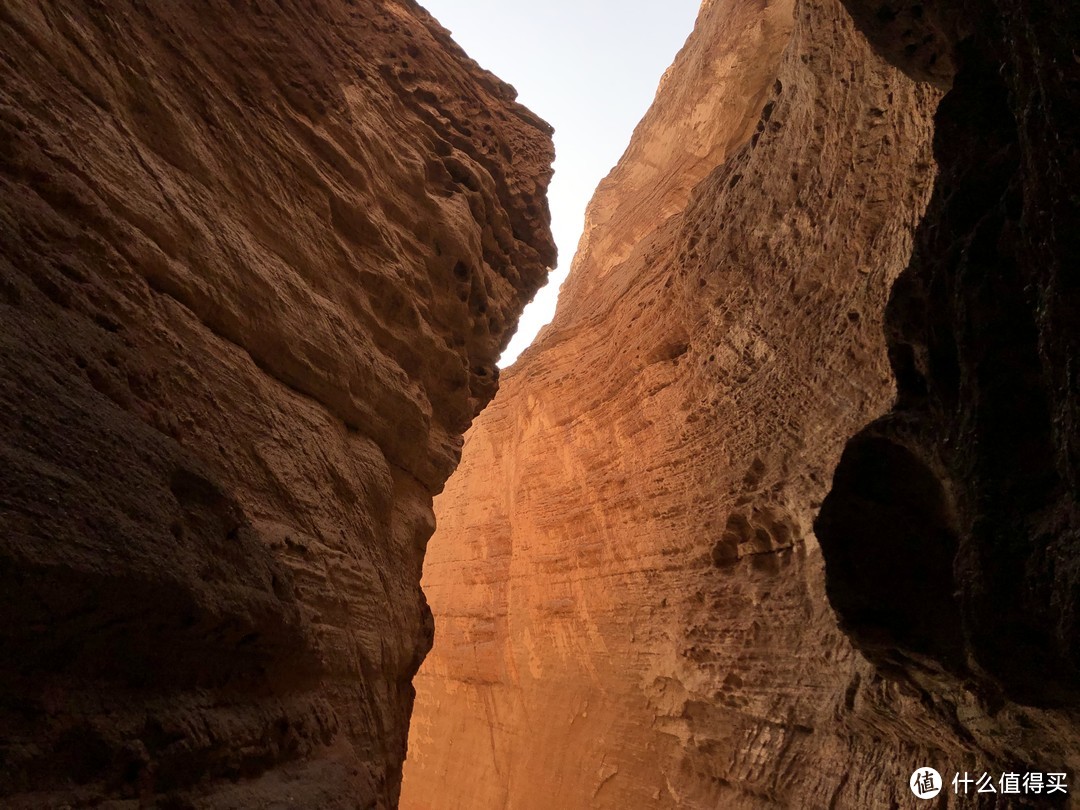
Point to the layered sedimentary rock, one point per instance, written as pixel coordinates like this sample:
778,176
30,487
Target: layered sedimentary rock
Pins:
258,261
952,531
629,596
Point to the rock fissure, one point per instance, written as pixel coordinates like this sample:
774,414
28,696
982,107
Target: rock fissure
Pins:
781,505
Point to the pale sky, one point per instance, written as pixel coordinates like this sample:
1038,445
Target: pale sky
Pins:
590,69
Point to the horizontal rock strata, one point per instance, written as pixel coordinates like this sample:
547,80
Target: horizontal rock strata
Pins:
629,596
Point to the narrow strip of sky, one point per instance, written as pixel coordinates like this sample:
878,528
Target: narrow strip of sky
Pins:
589,68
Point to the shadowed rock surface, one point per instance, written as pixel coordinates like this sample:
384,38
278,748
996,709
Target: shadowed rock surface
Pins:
973,475
258,262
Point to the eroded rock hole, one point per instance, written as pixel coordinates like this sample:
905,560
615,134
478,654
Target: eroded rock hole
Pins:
889,536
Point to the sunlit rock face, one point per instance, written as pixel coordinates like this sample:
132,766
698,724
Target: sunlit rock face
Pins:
258,262
629,595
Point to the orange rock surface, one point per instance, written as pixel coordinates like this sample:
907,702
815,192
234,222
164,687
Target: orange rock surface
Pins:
258,261
629,599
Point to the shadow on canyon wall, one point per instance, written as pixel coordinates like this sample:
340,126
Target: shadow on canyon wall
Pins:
255,278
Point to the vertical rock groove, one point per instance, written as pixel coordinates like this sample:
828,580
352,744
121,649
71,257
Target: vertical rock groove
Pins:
258,262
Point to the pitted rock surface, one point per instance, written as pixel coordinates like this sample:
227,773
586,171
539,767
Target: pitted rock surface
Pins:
258,262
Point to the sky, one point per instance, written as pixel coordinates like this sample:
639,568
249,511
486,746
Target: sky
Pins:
590,69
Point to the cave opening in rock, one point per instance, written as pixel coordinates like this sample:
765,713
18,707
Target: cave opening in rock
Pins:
889,532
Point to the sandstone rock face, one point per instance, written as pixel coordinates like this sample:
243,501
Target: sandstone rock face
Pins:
975,472
629,596
258,262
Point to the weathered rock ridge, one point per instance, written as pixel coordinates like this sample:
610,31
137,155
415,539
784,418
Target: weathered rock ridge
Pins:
629,595
258,262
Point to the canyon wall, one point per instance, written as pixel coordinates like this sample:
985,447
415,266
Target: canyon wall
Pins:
975,472
629,596
258,262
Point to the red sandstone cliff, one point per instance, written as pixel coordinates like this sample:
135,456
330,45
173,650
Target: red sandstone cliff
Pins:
629,597
254,277
258,261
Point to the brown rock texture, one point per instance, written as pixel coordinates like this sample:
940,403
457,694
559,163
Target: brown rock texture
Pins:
975,472
629,596
629,599
258,262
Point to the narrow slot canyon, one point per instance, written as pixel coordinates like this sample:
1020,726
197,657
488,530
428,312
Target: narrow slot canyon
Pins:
779,511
